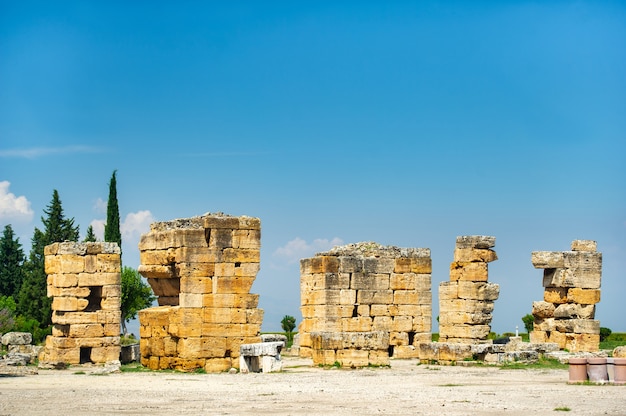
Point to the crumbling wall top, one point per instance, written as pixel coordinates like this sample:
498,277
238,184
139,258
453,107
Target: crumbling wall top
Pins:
208,220
373,249
81,249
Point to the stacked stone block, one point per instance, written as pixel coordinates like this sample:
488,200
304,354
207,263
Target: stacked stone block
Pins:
84,284
362,303
466,302
202,270
571,281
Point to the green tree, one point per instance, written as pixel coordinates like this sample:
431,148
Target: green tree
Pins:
112,226
288,323
604,333
529,322
90,237
7,314
32,300
11,263
136,295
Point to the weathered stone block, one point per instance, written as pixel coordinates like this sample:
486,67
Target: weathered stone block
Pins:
353,358
358,324
556,295
586,279
369,297
406,297
472,271
574,311
475,241
578,326
370,281
466,255
465,305
478,290
584,245
543,309
246,239
383,323
157,257
156,271
583,296
232,284
417,265
465,331
548,259
582,342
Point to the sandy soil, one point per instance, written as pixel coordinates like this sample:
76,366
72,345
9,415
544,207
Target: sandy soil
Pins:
301,389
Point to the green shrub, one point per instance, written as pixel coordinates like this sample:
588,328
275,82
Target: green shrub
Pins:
604,333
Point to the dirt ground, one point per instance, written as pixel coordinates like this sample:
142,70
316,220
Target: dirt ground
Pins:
301,389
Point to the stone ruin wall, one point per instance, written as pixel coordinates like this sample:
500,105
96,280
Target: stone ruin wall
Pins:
202,270
363,302
466,302
84,284
571,281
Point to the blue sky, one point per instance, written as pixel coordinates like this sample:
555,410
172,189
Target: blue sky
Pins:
403,123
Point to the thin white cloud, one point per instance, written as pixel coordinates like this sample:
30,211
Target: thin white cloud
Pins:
224,154
13,208
37,152
135,224
100,206
298,248
98,228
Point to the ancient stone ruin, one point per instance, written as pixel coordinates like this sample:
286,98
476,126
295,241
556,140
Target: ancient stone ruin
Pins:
571,281
84,284
202,270
466,302
362,303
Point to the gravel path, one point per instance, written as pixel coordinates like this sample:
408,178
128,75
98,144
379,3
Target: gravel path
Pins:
301,389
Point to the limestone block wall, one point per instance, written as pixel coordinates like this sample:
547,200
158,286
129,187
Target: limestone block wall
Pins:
362,303
202,270
571,281
84,284
466,302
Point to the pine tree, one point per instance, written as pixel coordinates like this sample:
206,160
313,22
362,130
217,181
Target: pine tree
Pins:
90,237
11,263
112,227
32,300
58,228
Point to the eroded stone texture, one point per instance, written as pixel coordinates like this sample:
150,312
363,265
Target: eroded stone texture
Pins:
362,303
571,281
466,302
202,270
84,284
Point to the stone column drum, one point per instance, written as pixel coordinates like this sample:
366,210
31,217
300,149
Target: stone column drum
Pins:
84,284
466,302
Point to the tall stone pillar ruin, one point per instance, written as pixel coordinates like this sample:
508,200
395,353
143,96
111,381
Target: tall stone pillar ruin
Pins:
571,281
467,300
202,270
84,284
362,303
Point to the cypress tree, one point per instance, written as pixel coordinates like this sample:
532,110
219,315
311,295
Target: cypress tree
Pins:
11,263
112,226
